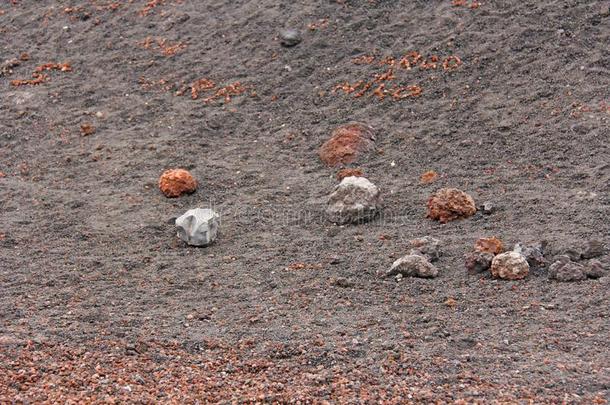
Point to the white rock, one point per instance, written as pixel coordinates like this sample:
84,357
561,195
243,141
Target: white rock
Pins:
510,266
198,227
412,266
354,200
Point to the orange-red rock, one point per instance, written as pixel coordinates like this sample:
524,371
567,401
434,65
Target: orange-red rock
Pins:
347,143
448,204
489,245
176,182
343,173
429,177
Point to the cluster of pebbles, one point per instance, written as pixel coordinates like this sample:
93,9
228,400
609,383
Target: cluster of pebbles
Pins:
357,200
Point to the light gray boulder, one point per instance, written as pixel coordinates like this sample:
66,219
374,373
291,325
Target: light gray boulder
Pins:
354,200
198,227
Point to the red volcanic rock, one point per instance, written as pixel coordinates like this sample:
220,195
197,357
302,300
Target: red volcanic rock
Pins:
343,173
346,144
448,204
176,182
491,245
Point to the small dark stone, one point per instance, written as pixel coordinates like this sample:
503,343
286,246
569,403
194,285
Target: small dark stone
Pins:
593,248
341,282
478,262
567,271
290,37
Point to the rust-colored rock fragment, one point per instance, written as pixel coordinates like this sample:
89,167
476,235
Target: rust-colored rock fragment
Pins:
87,129
176,182
491,245
347,143
429,177
449,204
343,173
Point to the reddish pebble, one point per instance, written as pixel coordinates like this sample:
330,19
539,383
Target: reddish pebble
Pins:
176,182
429,177
346,144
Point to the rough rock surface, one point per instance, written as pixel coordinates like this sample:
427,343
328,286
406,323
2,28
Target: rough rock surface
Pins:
412,266
176,182
478,262
347,142
290,37
354,200
449,204
566,270
491,245
198,227
427,246
510,266
534,255
343,173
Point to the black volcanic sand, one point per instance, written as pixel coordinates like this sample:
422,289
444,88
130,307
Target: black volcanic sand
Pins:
87,244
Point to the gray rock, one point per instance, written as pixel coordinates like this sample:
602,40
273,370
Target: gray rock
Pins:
412,266
478,262
354,200
290,37
593,248
428,247
563,270
573,253
595,269
198,227
533,254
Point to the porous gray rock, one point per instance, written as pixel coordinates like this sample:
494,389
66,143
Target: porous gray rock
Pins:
198,227
566,270
510,266
478,262
428,247
534,254
354,200
290,37
412,266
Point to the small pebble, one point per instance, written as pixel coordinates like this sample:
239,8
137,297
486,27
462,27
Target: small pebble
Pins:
290,37
488,208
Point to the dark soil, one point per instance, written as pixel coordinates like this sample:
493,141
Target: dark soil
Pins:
286,304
